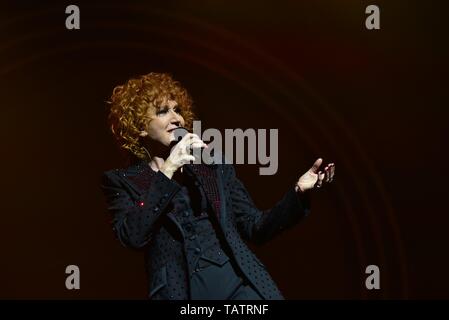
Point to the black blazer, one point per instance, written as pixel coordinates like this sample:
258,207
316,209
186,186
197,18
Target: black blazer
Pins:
138,199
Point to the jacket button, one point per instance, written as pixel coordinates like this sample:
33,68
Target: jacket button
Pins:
197,250
186,213
193,237
156,209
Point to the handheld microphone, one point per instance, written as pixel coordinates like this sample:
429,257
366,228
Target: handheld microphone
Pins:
179,133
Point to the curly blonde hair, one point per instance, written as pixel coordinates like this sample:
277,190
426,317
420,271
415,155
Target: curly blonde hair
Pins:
136,102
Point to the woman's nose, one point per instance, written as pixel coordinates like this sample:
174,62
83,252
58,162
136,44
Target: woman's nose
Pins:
175,117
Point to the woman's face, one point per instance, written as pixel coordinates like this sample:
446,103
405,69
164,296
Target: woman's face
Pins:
160,127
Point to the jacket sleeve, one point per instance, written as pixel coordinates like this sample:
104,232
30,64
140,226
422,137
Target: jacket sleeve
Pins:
260,226
134,220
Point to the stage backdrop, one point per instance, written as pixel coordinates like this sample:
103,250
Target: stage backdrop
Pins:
374,102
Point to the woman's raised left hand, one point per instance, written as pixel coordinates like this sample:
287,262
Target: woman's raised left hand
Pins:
315,179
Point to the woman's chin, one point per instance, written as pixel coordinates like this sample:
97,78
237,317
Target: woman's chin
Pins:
168,142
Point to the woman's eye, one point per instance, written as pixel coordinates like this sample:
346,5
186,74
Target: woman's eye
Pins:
165,110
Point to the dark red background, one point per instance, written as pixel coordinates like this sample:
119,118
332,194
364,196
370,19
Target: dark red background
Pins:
373,102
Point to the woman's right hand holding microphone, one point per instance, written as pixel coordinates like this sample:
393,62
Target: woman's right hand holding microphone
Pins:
181,154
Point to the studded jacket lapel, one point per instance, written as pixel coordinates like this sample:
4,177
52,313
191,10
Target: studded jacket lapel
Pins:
207,177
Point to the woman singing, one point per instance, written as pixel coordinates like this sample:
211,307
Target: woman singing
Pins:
190,219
